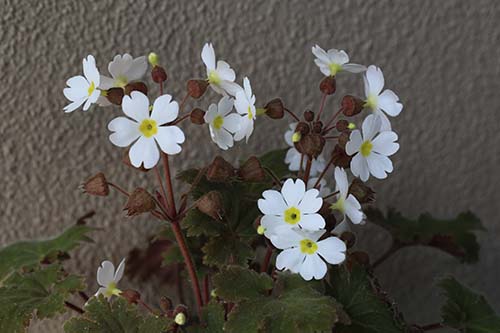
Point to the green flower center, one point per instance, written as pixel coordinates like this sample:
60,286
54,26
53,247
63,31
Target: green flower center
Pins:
121,81
334,68
218,122
148,128
213,77
339,205
91,88
366,148
292,215
250,114
112,290
371,102
308,246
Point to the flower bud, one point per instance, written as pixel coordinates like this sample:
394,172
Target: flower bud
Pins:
363,193
309,115
328,85
158,74
196,88
211,204
311,145
261,230
115,95
136,86
132,296
197,116
296,137
165,304
317,127
96,185
351,126
140,201
220,170
303,128
342,125
180,319
340,157
351,105
252,171
153,59
275,109
126,161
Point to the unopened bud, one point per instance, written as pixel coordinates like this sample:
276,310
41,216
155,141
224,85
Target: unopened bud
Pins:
303,128
309,115
342,125
126,161
180,319
275,109
261,230
165,304
213,293
153,59
220,170
115,96
351,105
96,185
317,127
211,204
328,85
196,88
296,137
136,86
158,74
351,126
132,296
363,193
139,201
197,116
252,171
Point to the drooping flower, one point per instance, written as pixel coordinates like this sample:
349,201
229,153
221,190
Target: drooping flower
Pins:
222,125
149,130
323,188
333,61
220,75
108,278
292,207
83,89
293,156
245,105
304,254
346,203
380,102
124,69
371,149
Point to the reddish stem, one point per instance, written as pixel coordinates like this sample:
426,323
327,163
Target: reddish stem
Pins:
74,307
170,195
119,189
178,120
327,126
162,188
267,259
292,114
321,107
322,174
206,289
308,169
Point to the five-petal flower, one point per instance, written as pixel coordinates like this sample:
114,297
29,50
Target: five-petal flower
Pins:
371,149
245,105
124,69
220,75
222,125
108,278
148,130
83,89
334,61
346,203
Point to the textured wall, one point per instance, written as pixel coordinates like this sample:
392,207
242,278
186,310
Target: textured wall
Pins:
441,57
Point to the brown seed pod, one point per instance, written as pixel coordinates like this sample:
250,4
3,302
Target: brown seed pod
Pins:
196,88
115,95
211,204
275,109
197,116
158,74
340,157
220,170
132,296
351,105
139,202
363,193
136,86
309,115
252,171
328,85
96,185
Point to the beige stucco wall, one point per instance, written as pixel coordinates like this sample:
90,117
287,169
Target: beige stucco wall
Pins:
441,57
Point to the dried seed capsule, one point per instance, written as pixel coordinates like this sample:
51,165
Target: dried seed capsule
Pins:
140,201
96,185
328,85
275,109
252,171
159,74
309,115
115,95
340,157
196,88
197,116
132,296
220,170
211,204
351,105
363,193
342,125
136,86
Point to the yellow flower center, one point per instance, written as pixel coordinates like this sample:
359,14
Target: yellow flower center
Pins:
366,148
218,122
339,205
91,88
296,137
148,128
334,68
371,102
308,246
250,114
121,81
292,215
213,77
112,290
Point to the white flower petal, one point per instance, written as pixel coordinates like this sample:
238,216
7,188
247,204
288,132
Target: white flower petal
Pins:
272,203
119,271
208,56
225,106
78,88
105,273
359,167
230,87
290,259
313,267
370,127
100,291
312,222
354,68
137,69
388,101
375,79
338,57
293,191
274,224
90,70
136,106
385,123
144,151
320,54
287,238
165,110
120,65
226,73
169,139
332,249
125,131
311,202
342,185
354,143
292,158
385,144
378,165
106,83
74,105
232,123
353,210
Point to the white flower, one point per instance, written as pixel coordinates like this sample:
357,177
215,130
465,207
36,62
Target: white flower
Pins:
292,207
220,75
334,61
323,189
245,105
304,254
222,125
83,89
381,103
124,69
147,129
371,149
108,279
346,203
293,156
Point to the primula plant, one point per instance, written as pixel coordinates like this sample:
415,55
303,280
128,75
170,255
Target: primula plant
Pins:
267,245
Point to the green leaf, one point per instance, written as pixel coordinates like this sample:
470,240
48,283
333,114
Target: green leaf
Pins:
213,319
116,316
275,161
30,253
227,250
454,236
467,311
198,224
367,309
236,283
42,292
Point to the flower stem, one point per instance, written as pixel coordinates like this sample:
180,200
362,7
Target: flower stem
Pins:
74,307
321,107
267,259
330,121
307,173
170,195
119,189
292,114
162,188
206,287
322,174
275,178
